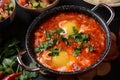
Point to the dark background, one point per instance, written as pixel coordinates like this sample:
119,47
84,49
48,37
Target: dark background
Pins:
17,29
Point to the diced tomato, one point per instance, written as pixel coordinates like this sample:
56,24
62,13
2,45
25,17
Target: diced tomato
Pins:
1,5
6,1
22,2
5,15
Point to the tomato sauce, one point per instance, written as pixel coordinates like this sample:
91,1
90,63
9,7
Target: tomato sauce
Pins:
76,55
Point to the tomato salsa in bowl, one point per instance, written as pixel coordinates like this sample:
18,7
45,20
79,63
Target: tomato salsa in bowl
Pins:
36,6
67,40
7,11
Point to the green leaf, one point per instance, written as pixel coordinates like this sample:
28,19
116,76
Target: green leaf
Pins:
44,45
48,35
9,70
37,49
52,41
11,48
60,30
77,51
65,40
7,62
33,74
33,64
23,77
75,30
1,68
85,37
54,52
13,43
52,32
91,48
80,37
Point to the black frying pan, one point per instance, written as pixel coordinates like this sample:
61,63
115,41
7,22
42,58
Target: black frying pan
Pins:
66,8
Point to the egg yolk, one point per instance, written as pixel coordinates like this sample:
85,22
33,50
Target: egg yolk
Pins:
60,60
67,26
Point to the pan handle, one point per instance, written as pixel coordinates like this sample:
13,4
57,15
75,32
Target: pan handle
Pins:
19,56
112,13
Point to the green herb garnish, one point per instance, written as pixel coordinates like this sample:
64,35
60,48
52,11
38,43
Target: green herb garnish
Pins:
80,37
48,35
54,52
91,48
60,30
45,45
75,30
77,37
77,51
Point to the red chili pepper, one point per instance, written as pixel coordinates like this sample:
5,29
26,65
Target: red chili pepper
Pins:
12,76
1,76
119,37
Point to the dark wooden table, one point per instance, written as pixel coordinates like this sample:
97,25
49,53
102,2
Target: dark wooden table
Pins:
17,29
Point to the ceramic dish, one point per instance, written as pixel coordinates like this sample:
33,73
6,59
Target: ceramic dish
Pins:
113,3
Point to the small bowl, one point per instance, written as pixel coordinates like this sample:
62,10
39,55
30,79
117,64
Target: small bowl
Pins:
11,16
36,11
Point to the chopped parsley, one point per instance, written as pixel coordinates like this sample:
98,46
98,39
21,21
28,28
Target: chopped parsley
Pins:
77,51
79,37
91,48
75,30
45,45
60,30
54,52
52,40
47,35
